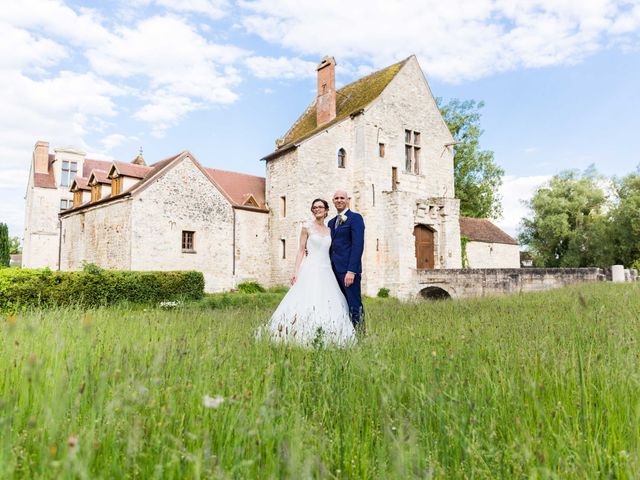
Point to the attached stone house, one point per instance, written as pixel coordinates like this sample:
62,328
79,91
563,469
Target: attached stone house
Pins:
487,245
173,215
381,138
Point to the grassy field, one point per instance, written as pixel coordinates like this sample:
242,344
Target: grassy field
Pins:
532,386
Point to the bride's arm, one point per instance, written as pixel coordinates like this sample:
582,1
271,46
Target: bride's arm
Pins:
302,247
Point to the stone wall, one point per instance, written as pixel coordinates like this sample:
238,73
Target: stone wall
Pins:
41,227
493,255
465,283
253,262
99,235
183,199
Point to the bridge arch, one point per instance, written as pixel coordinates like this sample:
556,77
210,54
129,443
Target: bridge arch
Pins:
434,293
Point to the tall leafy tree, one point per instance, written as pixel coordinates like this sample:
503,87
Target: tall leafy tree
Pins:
625,218
477,176
14,245
569,226
4,245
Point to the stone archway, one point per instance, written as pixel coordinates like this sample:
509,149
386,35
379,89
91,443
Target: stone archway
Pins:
435,293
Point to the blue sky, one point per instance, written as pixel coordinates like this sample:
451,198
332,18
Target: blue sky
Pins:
224,78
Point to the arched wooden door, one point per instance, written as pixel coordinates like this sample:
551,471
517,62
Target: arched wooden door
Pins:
424,247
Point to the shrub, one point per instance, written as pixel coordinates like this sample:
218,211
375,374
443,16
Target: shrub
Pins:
239,299
383,293
251,287
21,288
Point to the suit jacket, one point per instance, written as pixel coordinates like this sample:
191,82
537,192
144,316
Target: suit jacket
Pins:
347,243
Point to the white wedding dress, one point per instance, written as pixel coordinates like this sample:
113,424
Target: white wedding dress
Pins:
314,310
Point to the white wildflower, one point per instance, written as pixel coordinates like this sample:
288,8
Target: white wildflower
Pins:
212,402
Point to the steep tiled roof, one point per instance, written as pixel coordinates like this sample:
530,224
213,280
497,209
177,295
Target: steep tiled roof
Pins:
239,187
350,99
101,176
80,183
45,180
130,169
89,165
482,230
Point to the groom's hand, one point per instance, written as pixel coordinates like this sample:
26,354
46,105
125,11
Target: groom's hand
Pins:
349,278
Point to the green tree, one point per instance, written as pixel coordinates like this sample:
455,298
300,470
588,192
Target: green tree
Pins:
4,245
14,245
569,227
625,218
477,176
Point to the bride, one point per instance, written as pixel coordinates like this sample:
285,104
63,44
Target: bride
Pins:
314,309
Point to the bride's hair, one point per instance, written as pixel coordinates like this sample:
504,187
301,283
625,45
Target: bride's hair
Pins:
324,202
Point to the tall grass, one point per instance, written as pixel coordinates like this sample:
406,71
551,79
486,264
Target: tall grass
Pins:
533,386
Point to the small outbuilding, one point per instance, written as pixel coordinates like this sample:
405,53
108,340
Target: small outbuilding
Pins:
487,246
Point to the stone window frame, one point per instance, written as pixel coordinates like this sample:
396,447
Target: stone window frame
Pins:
381,149
188,241
69,172
283,206
66,204
283,245
342,158
412,151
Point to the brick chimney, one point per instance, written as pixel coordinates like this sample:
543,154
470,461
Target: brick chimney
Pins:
41,157
326,102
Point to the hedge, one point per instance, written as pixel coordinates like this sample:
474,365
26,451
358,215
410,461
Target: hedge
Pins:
20,288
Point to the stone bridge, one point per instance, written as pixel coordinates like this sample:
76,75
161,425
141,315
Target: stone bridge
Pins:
480,282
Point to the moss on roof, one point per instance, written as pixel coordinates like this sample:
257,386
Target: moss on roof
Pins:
349,100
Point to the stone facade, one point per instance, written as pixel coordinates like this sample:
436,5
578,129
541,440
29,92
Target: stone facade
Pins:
46,192
493,255
390,212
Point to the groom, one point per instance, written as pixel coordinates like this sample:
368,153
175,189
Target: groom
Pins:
347,243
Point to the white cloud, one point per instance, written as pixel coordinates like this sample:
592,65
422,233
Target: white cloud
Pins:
514,191
211,8
184,71
114,140
281,67
455,40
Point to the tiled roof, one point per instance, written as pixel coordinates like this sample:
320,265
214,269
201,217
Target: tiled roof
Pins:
238,187
80,183
100,176
46,180
482,230
89,165
350,99
130,169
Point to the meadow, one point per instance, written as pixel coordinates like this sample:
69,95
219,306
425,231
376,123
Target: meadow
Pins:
543,385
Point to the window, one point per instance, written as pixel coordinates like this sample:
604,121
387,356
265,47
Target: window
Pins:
394,179
69,170
66,204
373,194
96,192
116,185
283,244
77,197
283,206
342,158
381,150
187,241
412,151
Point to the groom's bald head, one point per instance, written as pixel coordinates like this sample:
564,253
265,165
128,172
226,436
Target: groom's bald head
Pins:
340,199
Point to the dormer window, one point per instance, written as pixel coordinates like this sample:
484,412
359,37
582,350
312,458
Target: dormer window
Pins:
69,170
342,158
77,197
95,192
116,185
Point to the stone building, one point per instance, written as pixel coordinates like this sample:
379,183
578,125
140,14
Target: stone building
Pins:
487,246
380,138
50,177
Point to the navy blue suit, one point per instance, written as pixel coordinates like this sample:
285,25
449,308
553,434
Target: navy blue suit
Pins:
347,244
